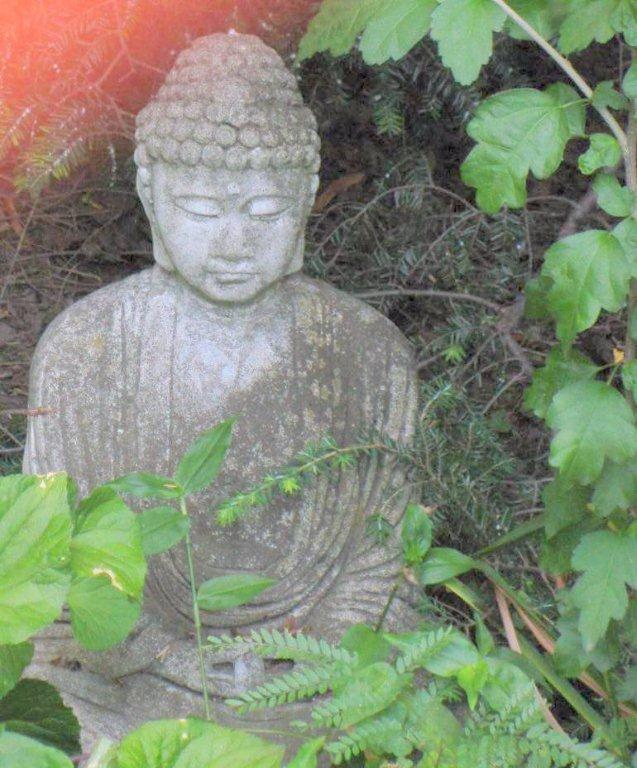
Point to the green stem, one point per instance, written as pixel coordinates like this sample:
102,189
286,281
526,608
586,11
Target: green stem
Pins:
562,686
570,70
195,612
390,600
630,346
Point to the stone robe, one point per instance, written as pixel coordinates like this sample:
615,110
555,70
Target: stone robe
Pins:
133,373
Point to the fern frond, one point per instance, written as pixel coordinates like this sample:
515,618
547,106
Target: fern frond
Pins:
430,644
284,645
301,683
389,119
379,730
567,751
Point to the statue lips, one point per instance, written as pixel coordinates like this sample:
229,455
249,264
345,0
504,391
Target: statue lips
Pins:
233,278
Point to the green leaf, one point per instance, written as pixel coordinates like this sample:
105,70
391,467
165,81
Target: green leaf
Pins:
368,645
307,756
562,367
556,553
417,532
34,708
201,462
35,532
518,131
472,678
629,83
585,23
626,233
146,485
605,95
592,422
464,31
13,659
564,505
590,272
232,590
609,564
395,27
629,377
336,26
616,488
369,690
108,543
545,16
498,176
191,743
17,751
101,615
603,152
612,197
570,657
161,529
628,687
442,564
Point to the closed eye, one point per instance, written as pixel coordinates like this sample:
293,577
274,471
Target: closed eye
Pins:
268,206
199,205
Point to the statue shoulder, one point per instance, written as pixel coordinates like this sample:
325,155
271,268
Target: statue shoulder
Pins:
364,324
91,316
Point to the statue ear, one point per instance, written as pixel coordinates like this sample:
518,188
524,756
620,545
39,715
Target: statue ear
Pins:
160,253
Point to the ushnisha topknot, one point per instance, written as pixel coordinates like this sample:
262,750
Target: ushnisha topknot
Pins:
228,102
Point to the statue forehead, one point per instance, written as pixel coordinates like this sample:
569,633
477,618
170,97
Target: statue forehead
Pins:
223,182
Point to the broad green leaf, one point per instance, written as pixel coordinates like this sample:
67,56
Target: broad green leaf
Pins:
612,197
545,16
35,533
219,747
453,658
17,751
590,272
605,95
592,422
570,657
34,708
108,542
472,679
146,485
628,686
629,83
556,552
498,176
229,591
562,367
624,20
586,22
629,377
394,29
101,615
201,462
336,26
435,729
417,532
161,529
307,755
13,659
616,488
626,233
159,743
603,152
464,31
368,691
368,645
517,131
609,564
442,564
564,505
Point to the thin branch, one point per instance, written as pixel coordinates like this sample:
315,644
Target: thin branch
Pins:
432,293
569,69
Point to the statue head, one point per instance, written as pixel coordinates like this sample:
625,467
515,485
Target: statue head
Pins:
227,157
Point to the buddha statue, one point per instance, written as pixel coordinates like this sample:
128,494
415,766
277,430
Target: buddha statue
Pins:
224,325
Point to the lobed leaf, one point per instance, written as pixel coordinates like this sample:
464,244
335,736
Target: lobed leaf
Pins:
17,751
464,31
603,152
562,367
592,423
336,26
394,28
612,197
608,560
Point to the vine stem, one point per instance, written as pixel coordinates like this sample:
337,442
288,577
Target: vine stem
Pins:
630,346
570,70
195,612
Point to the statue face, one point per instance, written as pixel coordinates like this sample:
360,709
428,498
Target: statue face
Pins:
230,234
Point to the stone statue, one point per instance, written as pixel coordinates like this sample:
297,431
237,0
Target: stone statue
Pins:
224,325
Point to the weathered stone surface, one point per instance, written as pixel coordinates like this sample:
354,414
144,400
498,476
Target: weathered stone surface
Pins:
224,325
